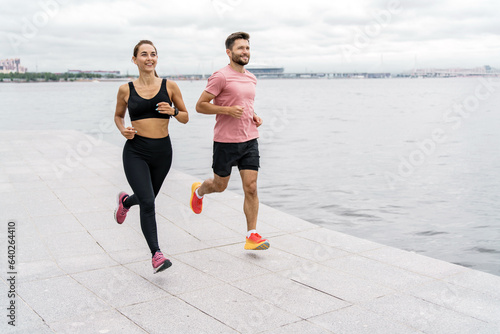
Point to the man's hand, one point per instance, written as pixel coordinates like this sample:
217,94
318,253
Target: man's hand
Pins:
258,121
235,111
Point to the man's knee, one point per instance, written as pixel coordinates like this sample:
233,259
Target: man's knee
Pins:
250,188
220,186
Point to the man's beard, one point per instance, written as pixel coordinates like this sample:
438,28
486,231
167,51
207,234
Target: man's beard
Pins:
237,60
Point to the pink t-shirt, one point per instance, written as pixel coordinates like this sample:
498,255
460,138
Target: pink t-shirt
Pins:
233,88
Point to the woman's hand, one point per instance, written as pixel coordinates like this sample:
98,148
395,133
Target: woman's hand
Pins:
129,132
165,108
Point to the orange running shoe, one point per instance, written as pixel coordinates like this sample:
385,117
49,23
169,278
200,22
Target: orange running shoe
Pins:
195,202
255,242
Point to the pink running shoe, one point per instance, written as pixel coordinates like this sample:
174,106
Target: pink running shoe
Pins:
121,210
160,263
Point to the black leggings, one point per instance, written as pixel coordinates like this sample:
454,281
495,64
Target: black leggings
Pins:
146,162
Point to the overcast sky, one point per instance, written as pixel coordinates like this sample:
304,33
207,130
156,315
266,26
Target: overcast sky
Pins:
311,35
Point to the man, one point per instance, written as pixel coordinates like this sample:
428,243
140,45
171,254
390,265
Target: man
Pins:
232,90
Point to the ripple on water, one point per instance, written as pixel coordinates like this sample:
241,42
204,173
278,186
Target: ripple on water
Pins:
430,233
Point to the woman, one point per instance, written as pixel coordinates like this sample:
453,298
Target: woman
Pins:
147,154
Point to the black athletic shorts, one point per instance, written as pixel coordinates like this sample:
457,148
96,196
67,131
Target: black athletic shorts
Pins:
244,155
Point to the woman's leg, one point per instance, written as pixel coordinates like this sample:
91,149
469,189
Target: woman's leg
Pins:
137,171
160,167
158,170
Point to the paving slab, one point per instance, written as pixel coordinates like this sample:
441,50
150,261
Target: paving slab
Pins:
382,273
28,321
302,326
354,319
98,322
174,315
238,309
428,317
215,262
119,286
291,296
59,298
77,271
182,277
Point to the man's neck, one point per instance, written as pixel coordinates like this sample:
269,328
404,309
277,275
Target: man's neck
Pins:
237,67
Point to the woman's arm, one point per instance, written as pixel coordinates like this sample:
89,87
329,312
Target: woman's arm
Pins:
178,102
121,108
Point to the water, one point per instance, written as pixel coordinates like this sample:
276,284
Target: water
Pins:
413,164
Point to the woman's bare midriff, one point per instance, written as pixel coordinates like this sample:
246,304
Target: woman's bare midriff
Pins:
151,127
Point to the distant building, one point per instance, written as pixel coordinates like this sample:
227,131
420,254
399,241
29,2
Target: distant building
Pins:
103,73
12,66
485,70
266,71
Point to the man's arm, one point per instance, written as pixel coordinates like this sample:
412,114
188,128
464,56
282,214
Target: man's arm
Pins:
203,106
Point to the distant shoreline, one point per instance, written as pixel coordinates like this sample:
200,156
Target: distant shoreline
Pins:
182,78
64,81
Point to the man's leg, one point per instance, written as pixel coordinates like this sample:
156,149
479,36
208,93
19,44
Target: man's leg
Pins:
251,208
215,185
222,165
251,203
198,190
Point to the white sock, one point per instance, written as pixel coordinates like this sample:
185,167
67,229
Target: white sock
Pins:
250,232
196,192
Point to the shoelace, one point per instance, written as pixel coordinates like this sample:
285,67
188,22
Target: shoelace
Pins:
123,211
256,236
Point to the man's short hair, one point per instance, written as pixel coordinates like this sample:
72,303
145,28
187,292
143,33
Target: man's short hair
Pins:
234,36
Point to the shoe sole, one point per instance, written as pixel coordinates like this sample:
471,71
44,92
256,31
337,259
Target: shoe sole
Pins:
263,246
195,186
165,265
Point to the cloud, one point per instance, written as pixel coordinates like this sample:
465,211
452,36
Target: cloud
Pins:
57,35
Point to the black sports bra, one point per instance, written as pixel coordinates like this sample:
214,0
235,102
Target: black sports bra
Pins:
140,108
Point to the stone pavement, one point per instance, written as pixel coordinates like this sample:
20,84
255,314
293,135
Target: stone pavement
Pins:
77,271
